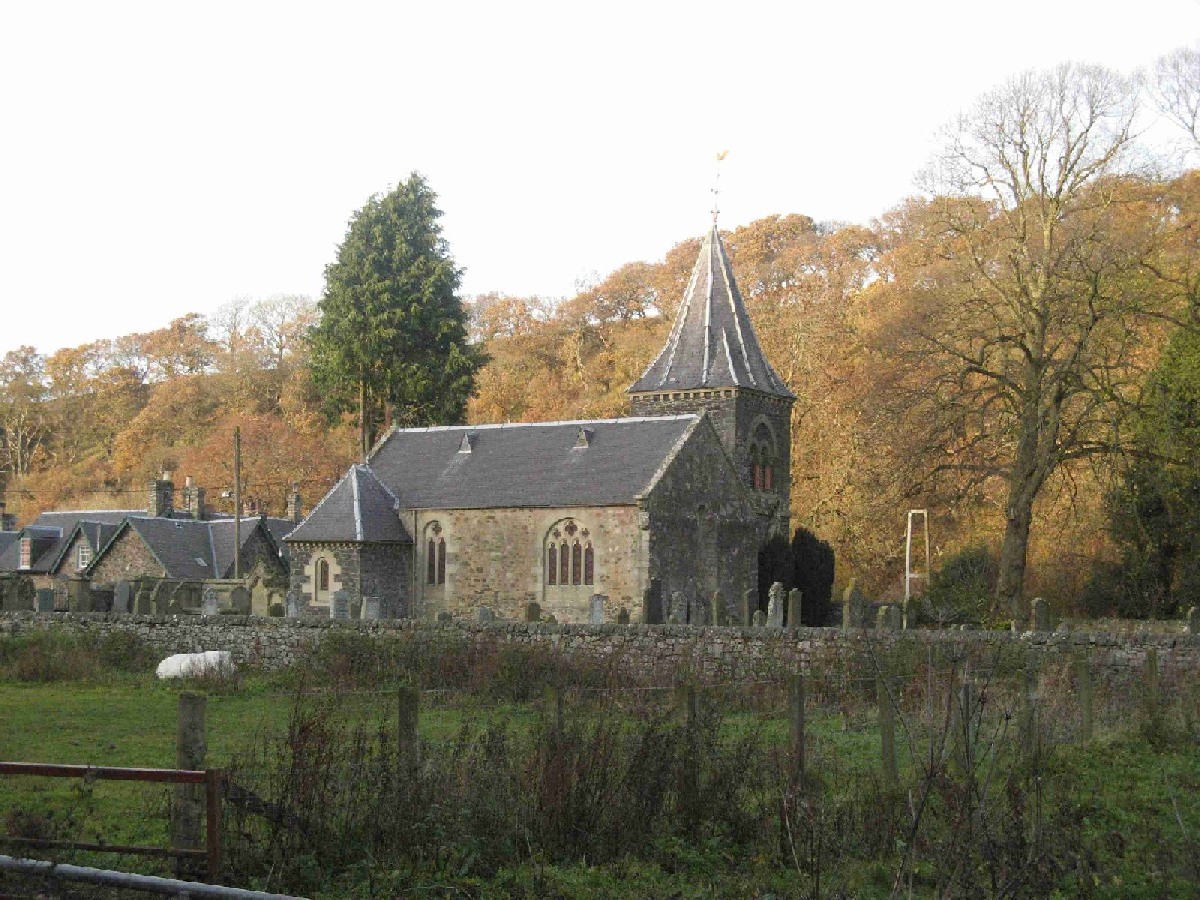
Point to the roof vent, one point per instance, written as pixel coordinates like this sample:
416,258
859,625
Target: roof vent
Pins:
584,439
468,442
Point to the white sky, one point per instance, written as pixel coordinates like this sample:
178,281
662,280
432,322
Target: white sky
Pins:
160,158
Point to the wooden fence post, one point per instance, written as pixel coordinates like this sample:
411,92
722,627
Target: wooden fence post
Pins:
887,731
796,720
1083,682
408,741
689,785
1152,683
190,751
553,703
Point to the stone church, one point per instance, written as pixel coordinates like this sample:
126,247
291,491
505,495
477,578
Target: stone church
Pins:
585,518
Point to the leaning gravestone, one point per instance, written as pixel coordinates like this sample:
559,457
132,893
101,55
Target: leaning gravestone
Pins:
122,597
622,616
209,604
341,605
596,609
775,605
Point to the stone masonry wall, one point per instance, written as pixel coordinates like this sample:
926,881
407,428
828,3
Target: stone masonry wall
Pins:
653,653
128,558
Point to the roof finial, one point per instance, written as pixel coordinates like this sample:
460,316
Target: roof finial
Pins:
716,190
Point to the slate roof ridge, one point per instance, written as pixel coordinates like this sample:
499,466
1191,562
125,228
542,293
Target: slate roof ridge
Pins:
357,501
622,420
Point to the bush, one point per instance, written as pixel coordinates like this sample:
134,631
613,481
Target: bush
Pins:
961,590
50,656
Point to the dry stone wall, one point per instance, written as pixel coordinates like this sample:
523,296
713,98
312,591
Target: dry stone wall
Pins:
653,653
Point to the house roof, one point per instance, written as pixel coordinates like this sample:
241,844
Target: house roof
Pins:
712,343
607,462
8,539
360,508
52,533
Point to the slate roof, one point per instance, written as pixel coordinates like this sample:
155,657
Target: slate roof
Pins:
8,539
192,550
360,508
52,533
607,462
712,343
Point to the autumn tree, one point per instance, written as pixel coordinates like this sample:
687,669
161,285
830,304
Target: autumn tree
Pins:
1019,338
392,336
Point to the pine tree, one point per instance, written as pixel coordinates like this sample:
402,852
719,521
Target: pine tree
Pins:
392,339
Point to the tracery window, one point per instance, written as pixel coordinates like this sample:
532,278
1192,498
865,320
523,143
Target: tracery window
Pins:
570,556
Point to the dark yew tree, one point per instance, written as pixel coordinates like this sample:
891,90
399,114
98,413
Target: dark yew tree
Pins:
392,339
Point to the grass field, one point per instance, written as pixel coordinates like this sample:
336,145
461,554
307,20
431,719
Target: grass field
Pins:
508,806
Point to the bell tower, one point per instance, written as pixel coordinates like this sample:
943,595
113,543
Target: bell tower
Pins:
712,362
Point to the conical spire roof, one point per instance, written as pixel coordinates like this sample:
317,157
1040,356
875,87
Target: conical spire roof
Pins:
712,343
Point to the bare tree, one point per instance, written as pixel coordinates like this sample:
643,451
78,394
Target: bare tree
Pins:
1174,87
1021,322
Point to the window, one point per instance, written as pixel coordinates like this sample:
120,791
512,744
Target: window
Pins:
761,455
570,556
26,553
435,554
322,575
84,556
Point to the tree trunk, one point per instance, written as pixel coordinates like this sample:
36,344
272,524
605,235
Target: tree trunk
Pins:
1011,580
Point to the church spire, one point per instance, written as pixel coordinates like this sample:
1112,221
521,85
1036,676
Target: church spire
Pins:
712,344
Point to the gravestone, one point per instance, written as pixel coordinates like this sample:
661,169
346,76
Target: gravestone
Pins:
550,619
596,609
444,617
622,616
716,608
340,608
239,600
652,605
209,604
1040,610
79,594
759,619
679,609
888,618
371,608
533,611
123,597
854,607
749,605
292,605
1193,621
45,600
775,605
794,610
697,612
485,614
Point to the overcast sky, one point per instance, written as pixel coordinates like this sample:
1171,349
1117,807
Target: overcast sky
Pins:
162,158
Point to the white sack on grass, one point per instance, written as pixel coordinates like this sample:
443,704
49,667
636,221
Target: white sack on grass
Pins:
190,665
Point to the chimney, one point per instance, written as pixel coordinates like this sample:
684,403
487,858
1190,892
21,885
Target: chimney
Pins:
193,500
160,499
249,508
293,504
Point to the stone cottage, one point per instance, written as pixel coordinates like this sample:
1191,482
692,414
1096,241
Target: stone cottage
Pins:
583,518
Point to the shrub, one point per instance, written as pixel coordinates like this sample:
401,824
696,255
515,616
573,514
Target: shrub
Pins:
961,590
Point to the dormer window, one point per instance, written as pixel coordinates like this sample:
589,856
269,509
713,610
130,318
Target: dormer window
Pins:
83,556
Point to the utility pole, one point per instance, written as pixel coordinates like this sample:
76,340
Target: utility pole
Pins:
237,502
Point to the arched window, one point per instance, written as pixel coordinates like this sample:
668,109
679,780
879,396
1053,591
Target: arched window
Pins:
576,563
564,569
767,477
435,554
431,562
570,556
322,575
762,453
441,560
589,564
758,469
552,564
